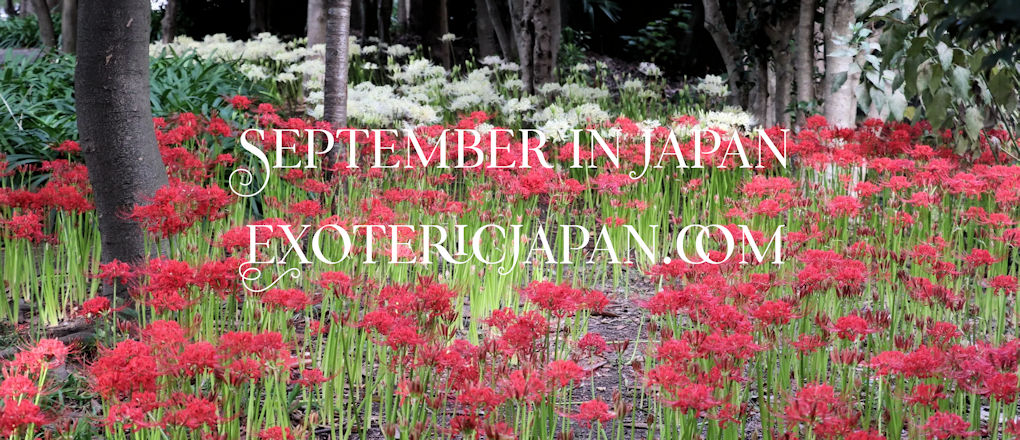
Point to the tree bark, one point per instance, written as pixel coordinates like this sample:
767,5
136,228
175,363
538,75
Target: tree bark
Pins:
506,41
9,9
537,25
715,24
338,31
168,25
840,102
69,26
368,22
316,23
435,23
258,21
111,85
385,19
804,62
486,36
47,35
402,14
780,33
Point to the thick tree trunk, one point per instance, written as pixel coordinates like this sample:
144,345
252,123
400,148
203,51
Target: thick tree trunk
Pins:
780,33
69,26
537,25
804,52
385,19
486,36
436,23
338,31
548,25
9,8
111,85
258,21
168,25
402,14
840,103
507,46
47,35
316,22
715,24
368,22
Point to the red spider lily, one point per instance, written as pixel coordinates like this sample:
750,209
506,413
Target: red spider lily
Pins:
18,386
17,415
276,433
192,412
27,226
813,405
94,307
561,300
562,373
774,313
177,206
852,327
124,369
524,386
116,271
1002,387
480,398
46,353
69,147
944,425
926,395
591,344
291,299
240,102
593,411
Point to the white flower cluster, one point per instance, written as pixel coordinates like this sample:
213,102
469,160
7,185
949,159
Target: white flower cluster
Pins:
395,85
713,86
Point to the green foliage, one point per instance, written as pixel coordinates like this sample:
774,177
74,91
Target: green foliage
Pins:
187,83
573,48
21,31
38,107
39,110
659,38
955,79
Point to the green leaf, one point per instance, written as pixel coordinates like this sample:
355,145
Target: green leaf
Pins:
959,77
837,81
974,121
897,105
935,111
1000,86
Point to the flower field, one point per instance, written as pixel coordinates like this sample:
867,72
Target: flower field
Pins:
893,316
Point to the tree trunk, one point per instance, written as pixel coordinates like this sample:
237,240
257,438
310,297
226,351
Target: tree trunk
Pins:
111,85
435,23
537,25
257,16
168,25
804,62
780,33
486,36
367,24
338,31
385,19
69,26
507,46
316,23
715,24
9,9
840,102
402,14
47,35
